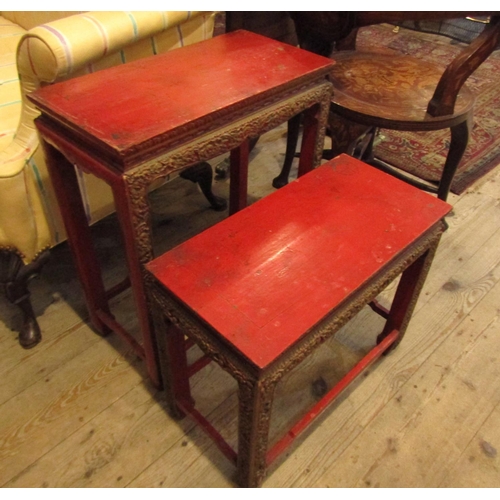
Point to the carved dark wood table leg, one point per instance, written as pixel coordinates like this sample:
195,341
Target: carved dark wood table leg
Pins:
254,418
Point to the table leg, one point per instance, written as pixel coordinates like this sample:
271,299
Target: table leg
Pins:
254,416
407,293
138,251
65,183
174,368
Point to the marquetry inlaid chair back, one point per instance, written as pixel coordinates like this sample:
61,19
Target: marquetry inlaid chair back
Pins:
378,88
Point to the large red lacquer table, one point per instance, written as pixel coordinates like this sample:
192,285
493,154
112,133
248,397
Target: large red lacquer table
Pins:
135,123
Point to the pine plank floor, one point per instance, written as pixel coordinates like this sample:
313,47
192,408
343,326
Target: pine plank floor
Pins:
78,410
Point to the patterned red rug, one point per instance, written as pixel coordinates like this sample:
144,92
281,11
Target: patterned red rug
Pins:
424,152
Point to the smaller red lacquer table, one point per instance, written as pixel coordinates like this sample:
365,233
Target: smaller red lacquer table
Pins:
133,124
260,291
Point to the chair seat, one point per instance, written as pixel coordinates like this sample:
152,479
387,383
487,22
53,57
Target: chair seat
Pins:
387,89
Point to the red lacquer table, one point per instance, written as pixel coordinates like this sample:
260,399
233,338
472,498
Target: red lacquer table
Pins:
133,124
260,291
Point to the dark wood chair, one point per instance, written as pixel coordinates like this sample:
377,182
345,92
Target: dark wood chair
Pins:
377,88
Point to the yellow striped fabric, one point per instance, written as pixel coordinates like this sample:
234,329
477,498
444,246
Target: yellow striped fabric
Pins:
54,51
10,94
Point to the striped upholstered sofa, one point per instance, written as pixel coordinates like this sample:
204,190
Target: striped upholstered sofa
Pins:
40,48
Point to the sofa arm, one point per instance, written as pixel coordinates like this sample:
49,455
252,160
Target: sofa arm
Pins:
58,50
55,50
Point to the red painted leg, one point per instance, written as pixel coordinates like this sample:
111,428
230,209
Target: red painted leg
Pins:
174,368
409,288
65,183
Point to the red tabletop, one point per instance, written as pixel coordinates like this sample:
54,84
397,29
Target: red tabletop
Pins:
155,98
264,276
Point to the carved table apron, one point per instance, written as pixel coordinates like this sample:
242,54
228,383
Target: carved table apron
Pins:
196,103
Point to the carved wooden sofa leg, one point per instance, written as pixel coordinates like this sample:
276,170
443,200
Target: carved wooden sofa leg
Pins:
201,173
15,276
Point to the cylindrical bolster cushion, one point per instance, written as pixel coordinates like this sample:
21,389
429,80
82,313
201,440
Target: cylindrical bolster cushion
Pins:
54,50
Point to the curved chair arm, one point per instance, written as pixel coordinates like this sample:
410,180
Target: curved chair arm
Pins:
457,72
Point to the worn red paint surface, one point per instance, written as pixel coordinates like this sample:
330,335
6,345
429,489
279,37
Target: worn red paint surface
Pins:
130,104
263,277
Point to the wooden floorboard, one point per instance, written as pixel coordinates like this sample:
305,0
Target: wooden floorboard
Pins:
78,411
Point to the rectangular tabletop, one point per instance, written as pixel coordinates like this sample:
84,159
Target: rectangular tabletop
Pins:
152,103
266,275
